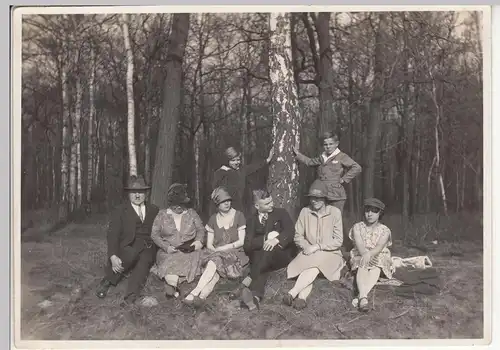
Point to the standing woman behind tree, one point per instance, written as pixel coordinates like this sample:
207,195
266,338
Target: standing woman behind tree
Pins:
232,176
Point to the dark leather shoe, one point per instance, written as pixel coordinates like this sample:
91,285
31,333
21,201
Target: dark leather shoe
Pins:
249,300
172,292
103,288
288,299
130,299
299,304
236,293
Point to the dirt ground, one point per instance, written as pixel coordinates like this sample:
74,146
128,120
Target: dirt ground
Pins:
61,270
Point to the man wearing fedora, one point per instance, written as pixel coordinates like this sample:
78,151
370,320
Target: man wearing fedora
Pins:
130,247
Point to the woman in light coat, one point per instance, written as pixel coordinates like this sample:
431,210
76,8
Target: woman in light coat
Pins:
318,234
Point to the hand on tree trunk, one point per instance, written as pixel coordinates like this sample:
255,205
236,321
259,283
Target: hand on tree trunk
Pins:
271,155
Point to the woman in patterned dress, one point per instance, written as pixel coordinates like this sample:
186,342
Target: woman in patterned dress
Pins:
370,255
179,233
225,238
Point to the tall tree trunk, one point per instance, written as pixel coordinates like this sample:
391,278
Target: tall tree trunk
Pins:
350,100
130,97
198,141
147,153
77,141
463,184
165,149
91,124
437,157
328,119
243,121
374,110
478,31
66,136
283,174
405,132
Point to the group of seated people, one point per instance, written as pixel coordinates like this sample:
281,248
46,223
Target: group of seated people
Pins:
174,244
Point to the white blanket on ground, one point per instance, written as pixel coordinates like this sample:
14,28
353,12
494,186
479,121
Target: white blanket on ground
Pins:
417,262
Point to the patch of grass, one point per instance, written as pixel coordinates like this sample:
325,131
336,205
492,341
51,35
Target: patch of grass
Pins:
65,268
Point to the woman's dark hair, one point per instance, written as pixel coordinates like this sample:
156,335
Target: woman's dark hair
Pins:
380,214
330,135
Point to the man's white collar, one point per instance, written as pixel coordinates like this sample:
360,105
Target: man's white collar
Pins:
334,153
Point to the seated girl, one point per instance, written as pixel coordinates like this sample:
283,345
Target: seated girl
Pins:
318,234
225,256
370,255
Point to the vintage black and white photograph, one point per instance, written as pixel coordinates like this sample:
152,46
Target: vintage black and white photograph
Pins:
309,173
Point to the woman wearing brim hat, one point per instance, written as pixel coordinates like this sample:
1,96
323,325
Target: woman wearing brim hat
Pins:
232,175
179,233
225,238
318,234
370,255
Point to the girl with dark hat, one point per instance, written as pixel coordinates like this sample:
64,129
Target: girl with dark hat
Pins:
232,175
370,255
225,238
318,234
179,233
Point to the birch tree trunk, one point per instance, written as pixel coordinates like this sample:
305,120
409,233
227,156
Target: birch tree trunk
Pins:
130,97
437,156
91,123
165,149
66,137
77,141
283,181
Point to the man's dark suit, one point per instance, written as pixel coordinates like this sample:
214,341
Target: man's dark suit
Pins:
130,240
263,262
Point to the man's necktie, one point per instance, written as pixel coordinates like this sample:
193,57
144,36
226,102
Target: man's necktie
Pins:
141,216
263,220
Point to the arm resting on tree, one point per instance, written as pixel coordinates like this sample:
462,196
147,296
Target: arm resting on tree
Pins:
252,168
308,161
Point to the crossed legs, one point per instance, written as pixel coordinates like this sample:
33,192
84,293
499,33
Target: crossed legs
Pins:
206,284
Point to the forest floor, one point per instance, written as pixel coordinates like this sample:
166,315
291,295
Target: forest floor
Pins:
61,270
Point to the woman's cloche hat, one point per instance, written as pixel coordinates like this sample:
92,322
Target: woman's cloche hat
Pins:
318,189
220,195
